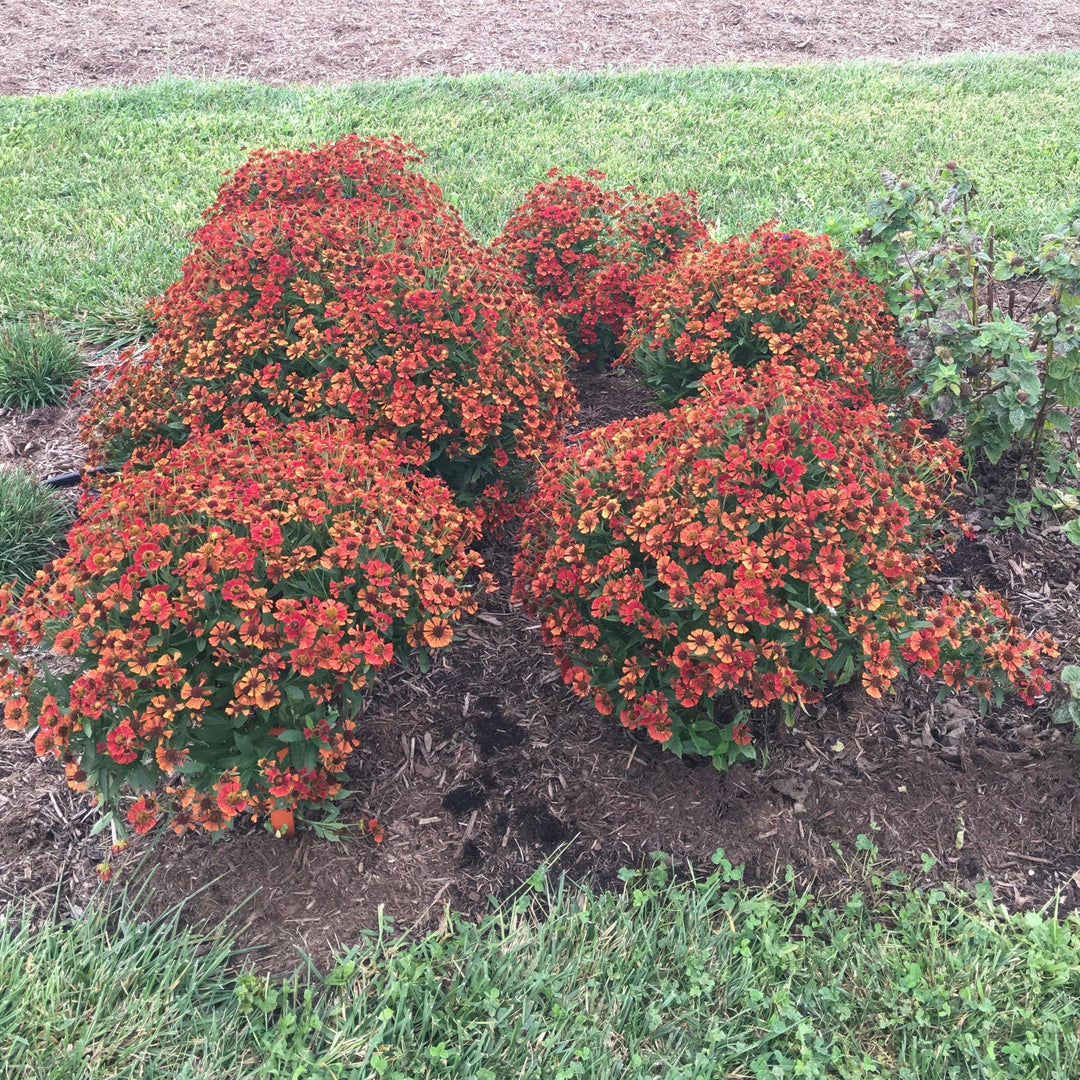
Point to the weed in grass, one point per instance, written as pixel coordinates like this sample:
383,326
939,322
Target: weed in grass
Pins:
37,366
692,979
33,521
680,975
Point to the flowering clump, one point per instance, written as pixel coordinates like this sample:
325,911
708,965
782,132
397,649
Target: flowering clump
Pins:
757,546
224,613
585,251
331,305
774,294
375,175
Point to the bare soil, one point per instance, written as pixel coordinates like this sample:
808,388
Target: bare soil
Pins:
49,45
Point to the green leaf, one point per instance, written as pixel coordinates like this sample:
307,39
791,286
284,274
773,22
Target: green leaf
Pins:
1018,417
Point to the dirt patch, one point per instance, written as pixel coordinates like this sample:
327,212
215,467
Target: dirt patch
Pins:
47,46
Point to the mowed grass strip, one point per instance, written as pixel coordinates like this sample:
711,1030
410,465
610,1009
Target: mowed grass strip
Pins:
687,981
99,190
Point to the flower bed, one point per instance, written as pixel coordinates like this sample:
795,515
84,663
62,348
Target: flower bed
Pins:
345,389
375,175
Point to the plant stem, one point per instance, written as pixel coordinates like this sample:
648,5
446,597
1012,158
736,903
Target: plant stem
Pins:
973,269
918,280
1040,419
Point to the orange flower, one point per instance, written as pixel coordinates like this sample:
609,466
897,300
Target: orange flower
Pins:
170,758
701,642
232,799
438,633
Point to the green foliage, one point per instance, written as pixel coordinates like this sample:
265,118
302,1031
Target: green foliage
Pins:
114,327
115,994
679,975
33,521
1068,712
1004,382
37,366
693,981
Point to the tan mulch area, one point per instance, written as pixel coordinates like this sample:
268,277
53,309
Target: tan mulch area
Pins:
48,45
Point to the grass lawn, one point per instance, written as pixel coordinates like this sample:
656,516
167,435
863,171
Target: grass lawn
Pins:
99,189
692,981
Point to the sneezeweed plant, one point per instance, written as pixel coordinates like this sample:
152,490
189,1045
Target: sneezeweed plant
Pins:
751,550
585,252
37,366
332,305
33,521
225,613
773,295
375,175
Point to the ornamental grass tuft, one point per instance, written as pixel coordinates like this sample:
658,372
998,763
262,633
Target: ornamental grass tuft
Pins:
33,521
37,366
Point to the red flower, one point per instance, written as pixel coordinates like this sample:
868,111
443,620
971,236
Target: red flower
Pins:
143,814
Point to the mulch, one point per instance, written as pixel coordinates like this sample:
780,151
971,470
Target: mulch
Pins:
49,46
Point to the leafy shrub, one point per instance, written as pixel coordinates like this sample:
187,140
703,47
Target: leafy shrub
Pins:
37,366
33,521
326,306
758,546
1001,371
774,294
585,251
227,610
